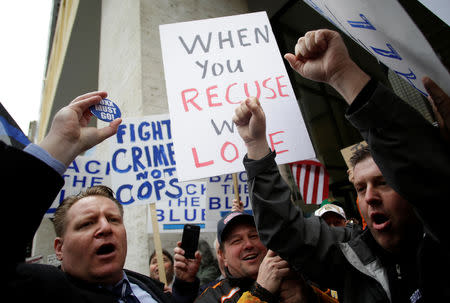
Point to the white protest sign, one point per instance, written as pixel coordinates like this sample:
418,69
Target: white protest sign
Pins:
204,203
210,67
82,173
142,161
188,209
220,198
385,30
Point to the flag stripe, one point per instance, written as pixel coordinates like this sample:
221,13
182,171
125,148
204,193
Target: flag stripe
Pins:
316,184
312,180
320,193
307,170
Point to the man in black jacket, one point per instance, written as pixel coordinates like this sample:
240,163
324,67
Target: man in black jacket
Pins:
398,182
91,238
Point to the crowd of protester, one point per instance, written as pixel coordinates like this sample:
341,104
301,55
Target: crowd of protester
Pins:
278,254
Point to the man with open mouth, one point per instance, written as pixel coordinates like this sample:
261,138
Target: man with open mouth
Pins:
91,240
403,255
91,243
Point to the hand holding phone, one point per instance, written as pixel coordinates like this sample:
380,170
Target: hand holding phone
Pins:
189,240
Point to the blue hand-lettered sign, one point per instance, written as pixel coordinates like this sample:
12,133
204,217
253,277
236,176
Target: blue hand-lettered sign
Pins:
142,161
82,173
203,203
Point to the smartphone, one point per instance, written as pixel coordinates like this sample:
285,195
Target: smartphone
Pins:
189,240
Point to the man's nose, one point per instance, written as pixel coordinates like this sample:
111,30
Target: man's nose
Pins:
104,227
372,195
248,243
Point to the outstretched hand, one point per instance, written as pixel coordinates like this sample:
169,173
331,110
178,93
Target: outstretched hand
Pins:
250,120
70,135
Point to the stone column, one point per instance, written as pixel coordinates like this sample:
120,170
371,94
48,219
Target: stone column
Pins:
131,71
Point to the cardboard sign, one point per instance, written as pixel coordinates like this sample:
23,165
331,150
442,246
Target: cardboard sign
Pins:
210,67
386,31
348,151
82,173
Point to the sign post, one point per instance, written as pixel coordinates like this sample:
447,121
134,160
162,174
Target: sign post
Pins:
236,187
157,243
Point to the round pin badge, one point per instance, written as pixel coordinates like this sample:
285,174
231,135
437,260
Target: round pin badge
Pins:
106,110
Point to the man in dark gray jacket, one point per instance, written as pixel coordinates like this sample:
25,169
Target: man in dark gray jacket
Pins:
91,238
399,257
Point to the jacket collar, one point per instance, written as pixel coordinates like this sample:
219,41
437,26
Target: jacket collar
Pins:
362,258
244,283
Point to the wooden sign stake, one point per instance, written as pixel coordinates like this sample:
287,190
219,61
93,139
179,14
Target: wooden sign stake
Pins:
157,242
236,186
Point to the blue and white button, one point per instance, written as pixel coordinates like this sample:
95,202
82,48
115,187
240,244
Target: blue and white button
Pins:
106,110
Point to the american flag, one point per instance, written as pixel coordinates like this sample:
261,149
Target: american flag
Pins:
311,178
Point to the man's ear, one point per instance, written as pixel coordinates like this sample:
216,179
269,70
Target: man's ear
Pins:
58,248
222,255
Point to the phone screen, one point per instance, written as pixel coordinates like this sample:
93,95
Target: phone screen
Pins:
189,241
